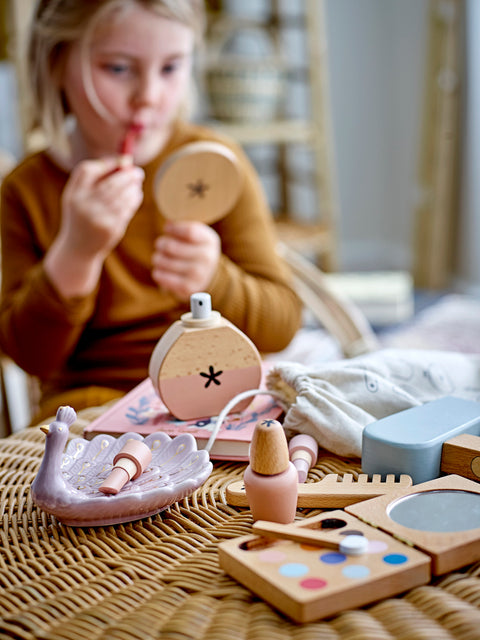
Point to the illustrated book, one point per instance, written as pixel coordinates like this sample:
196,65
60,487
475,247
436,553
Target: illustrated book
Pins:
142,411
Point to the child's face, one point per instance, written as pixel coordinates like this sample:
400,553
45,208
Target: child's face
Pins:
140,66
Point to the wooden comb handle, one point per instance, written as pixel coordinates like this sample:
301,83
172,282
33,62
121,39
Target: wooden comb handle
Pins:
331,492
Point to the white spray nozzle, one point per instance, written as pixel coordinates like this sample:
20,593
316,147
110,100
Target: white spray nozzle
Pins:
200,305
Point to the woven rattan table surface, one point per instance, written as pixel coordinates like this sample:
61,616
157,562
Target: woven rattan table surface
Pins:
160,578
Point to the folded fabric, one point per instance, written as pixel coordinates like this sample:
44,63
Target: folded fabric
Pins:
333,402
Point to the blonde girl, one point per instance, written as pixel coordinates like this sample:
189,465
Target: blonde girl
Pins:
92,273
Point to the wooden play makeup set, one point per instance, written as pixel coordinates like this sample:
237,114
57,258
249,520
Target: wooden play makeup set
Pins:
412,534
376,548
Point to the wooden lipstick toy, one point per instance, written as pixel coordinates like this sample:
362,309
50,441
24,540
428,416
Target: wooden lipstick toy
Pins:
127,146
303,450
128,464
202,361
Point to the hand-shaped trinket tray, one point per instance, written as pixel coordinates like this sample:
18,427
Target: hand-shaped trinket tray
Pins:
67,484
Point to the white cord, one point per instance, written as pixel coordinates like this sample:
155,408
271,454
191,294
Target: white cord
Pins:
229,406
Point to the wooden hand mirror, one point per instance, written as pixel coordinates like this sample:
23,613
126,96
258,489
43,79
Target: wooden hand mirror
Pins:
200,181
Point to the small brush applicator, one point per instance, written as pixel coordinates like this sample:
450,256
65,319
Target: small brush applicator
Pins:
351,544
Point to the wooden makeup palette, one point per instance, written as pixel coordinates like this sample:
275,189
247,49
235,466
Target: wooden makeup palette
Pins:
308,581
201,181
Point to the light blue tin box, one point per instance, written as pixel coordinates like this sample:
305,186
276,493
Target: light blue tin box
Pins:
411,441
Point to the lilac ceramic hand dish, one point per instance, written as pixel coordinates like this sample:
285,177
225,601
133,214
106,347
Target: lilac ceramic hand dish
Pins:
67,484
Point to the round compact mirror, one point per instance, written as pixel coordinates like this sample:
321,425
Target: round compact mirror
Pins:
200,181
439,511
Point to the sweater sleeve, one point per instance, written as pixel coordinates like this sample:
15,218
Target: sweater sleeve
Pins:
252,286
38,329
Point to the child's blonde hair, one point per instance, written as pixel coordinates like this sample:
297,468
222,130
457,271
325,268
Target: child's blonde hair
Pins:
58,23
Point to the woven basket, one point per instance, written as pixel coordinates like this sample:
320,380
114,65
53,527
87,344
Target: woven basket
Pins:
244,85
159,577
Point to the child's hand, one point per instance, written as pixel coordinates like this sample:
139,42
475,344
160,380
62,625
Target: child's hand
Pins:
98,203
185,258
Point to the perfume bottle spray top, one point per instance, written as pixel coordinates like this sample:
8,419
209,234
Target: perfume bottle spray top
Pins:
201,315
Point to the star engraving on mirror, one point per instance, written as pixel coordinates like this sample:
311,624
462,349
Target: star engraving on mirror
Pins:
211,376
198,189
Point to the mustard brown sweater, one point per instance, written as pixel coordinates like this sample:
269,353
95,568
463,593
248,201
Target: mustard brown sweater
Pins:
104,340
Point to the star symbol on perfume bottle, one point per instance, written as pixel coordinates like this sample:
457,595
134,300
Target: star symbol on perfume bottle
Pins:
212,376
198,188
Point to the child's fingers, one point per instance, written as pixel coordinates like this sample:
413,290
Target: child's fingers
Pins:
122,179
117,187
187,240
174,283
102,173
172,248
185,258
172,263
187,230
89,171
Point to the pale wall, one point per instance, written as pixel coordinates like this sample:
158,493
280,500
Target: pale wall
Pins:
468,277
376,61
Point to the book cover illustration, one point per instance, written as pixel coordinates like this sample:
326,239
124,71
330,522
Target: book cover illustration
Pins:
142,411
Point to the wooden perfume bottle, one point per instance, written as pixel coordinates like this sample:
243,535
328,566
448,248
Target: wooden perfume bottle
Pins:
202,361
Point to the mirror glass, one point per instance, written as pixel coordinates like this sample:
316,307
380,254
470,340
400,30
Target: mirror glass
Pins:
437,511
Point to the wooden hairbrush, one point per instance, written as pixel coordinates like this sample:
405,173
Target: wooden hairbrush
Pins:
332,491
